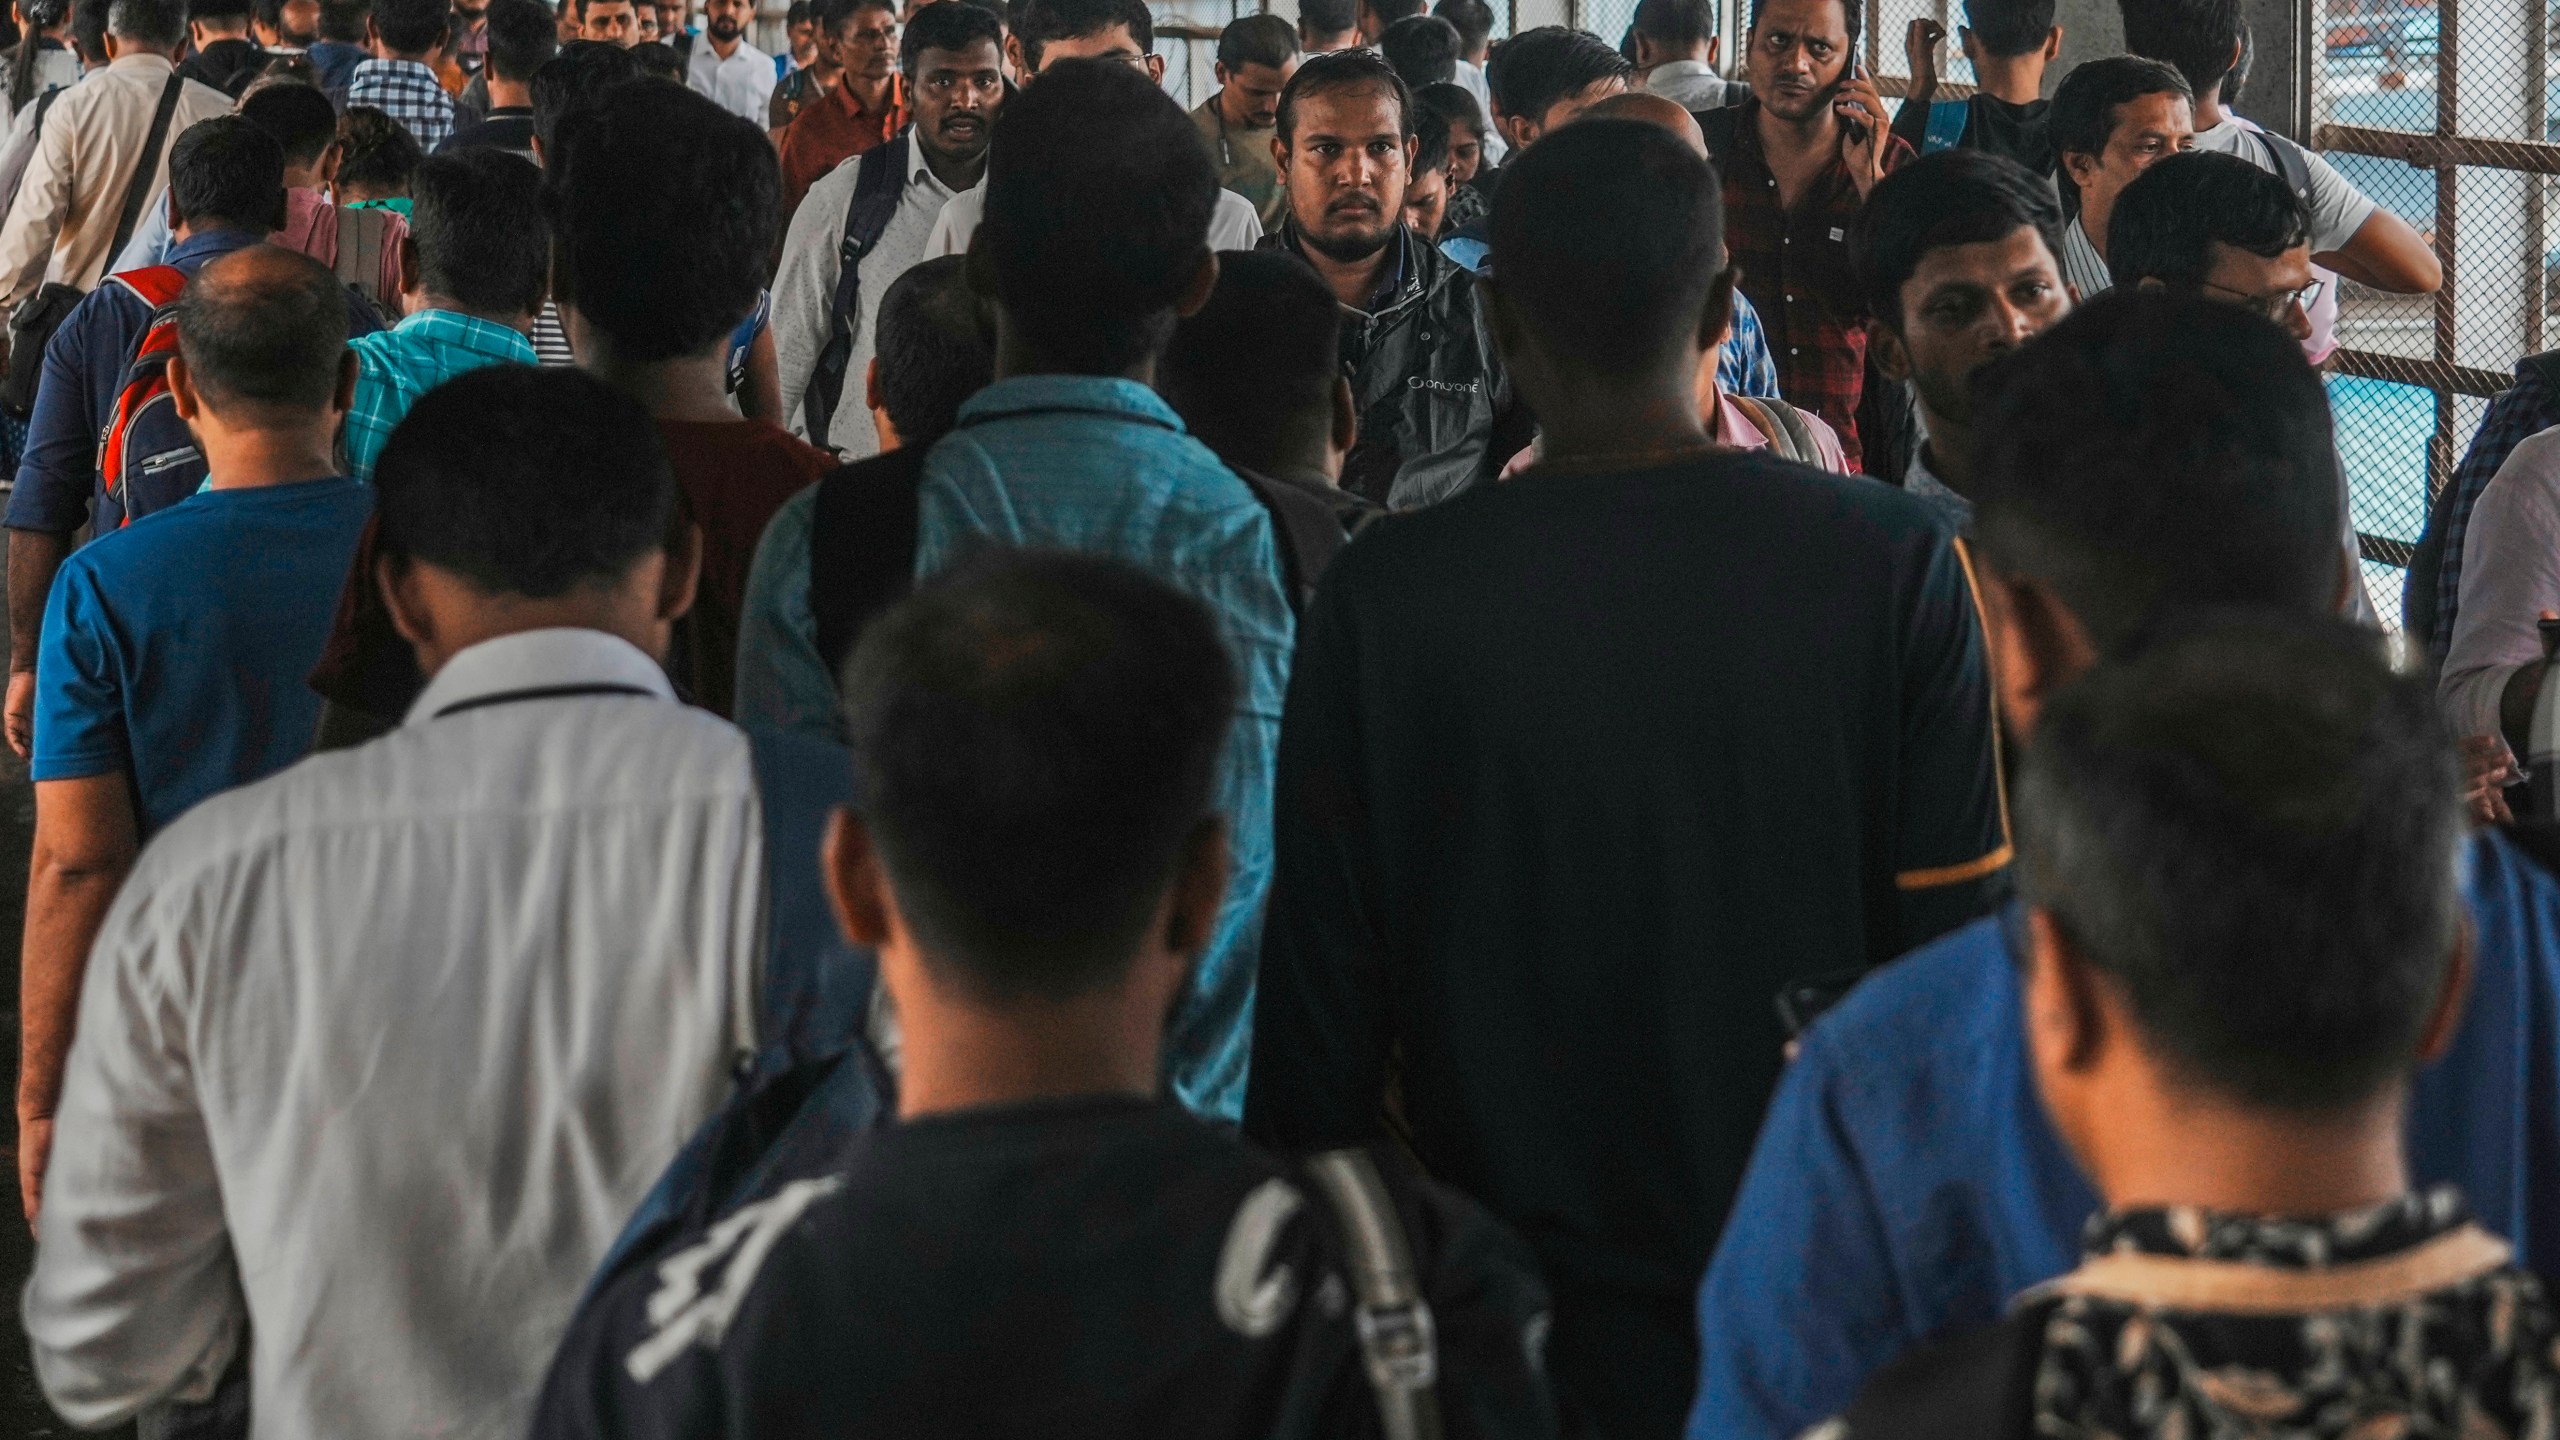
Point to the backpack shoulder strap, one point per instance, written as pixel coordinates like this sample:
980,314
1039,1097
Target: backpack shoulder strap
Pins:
154,285
862,546
1947,119
879,184
1717,126
1397,1342
1782,425
2291,162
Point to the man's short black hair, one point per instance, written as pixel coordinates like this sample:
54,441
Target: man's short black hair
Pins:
380,156
1954,197
89,30
2085,104
1257,40
1037,23
833,15
522,39
2168,220
1098,204
1448,105
1328,17
574,83
160,24
1677,24
301,119
226,173
2251,826
954,28
1037,734
264,326
667,208
1422,48
2009,27
1535,69
1474,20
482,238
658,60
934,349
343,20
2197,36
219,10
411,27
1335,71
2157,451
1253,374
1852,11
1430,143
1610,233
525,480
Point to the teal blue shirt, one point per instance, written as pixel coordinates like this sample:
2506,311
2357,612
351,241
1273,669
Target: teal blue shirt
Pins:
783,683
1105,467
422,352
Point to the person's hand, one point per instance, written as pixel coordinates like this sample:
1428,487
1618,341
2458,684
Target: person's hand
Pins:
1920,47
1861,108
18,713
35,1147
2488,768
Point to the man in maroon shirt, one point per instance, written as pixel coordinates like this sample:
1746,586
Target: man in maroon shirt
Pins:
1798,159
867,106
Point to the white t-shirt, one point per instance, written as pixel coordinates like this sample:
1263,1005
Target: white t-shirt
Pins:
1233,225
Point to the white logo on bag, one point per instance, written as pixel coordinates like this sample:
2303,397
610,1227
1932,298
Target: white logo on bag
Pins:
682,1311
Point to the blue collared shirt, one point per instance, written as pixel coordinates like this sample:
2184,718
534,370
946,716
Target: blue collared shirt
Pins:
1908,1183
1105,467
84,367
783,682
411,358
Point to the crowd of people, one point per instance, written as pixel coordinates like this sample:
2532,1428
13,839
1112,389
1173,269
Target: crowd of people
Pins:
1495,737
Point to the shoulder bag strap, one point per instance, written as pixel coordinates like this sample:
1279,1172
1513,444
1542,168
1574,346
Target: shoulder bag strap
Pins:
1396,1336
147,167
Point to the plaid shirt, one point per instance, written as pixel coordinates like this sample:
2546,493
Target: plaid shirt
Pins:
2531,407
396,366
1743,366
1795,267
409,93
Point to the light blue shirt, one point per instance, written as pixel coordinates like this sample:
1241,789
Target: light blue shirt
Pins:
1105,467
783,681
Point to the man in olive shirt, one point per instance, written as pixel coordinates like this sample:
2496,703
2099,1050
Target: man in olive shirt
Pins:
1256,57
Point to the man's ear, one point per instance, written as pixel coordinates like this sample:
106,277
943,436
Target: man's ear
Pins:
2037,645
2083,169
1155,68
330,159
1199,888
1219,69
1195,296
682,575
1892,357
397,579
1346,415
1013,55
411,271
2446,1022
1715,53
1715,321
871,384
342,397
1279,153
2067,1023
1517,132
857,886
2053,44
182,390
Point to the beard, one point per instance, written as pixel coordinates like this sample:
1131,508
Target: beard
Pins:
724,29
1346,245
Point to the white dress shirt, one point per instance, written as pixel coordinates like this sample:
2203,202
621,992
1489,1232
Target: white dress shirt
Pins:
742,84
1689,84
2510,575
804,293
62,225
1233,225
377,1055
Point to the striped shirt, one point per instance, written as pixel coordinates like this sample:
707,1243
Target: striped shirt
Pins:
2083,268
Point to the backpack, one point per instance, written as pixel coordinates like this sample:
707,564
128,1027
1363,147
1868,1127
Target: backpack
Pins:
877,188
147,459
363,235
1947,119
1790,438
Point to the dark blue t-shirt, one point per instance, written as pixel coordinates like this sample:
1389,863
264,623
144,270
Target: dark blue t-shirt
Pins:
175,649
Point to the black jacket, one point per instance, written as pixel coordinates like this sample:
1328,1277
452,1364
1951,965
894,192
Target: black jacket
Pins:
1436,410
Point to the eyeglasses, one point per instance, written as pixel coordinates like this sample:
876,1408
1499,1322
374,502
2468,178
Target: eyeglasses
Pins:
2278,305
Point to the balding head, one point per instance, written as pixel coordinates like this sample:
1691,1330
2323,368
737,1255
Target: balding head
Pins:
263,332
1652,110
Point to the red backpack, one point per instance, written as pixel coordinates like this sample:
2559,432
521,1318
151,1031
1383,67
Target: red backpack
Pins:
147,459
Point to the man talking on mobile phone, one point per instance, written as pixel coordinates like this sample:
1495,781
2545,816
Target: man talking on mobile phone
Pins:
1798,159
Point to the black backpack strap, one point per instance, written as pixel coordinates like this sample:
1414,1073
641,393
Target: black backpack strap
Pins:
1717,126
878,186
862,546
138,189
2291,164
1284,541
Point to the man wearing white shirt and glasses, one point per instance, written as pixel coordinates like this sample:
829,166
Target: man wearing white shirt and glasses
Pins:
378,1054
737,76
